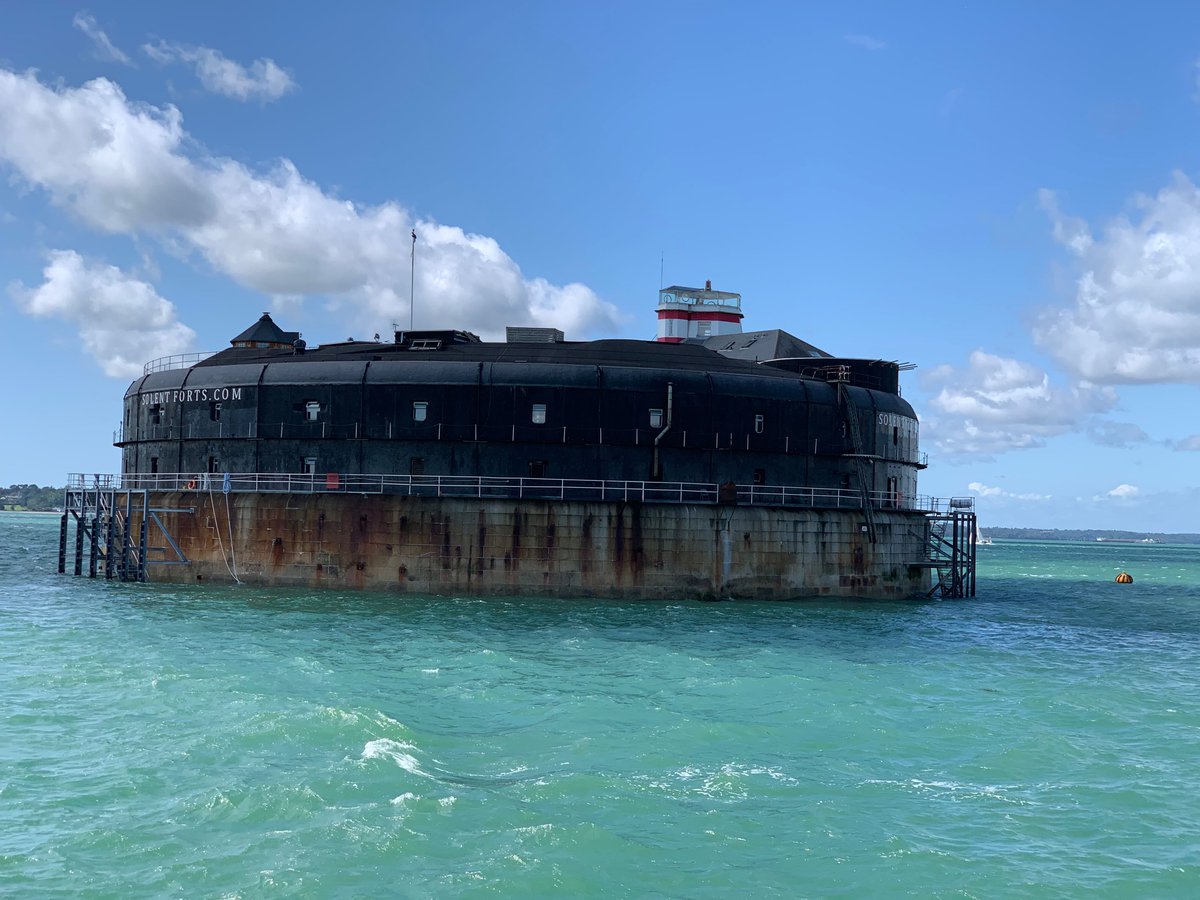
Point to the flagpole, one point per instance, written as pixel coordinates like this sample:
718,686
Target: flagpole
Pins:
412,280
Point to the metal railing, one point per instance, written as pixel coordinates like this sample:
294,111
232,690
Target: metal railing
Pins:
499,488
178,361
524,434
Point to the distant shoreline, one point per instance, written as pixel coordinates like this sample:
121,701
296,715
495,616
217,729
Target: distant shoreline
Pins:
1090,535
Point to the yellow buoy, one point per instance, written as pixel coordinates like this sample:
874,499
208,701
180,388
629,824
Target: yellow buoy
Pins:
1124,578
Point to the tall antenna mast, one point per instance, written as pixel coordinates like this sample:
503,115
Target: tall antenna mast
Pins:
662,257
412,280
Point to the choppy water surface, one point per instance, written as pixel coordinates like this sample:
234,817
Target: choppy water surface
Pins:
1041,740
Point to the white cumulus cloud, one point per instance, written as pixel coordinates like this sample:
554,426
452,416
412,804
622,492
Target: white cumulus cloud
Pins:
263,79
1136,312
105,48
997,493
130,168
1120,492
122,321
998,404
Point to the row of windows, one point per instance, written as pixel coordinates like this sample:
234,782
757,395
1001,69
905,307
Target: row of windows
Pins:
156,411
420,413
214,465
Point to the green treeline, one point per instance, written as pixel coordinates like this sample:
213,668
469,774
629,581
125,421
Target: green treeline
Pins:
30,496
1087,534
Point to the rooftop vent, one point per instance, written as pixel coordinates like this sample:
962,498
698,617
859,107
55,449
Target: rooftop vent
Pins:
433,340
527,334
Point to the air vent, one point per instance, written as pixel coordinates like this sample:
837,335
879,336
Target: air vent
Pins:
527,334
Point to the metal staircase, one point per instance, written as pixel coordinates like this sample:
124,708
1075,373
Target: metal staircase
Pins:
114,525
951,549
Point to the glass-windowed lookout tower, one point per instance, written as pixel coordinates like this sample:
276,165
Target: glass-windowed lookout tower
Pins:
686,312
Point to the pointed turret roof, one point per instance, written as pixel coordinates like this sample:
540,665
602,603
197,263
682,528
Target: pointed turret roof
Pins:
265,331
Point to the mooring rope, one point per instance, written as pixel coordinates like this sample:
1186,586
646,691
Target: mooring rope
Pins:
217,527
232,552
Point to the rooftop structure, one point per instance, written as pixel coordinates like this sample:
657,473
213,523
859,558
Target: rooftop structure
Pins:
687,312
266,335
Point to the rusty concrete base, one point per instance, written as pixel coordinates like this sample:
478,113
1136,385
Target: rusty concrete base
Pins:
540,547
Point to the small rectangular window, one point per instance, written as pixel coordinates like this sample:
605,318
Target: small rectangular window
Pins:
537,468
760,476
154,465
309,466
895,435
214,464
312,410
416,465
758,424
539,414
703,329
214,411
656,418
155,415
420,411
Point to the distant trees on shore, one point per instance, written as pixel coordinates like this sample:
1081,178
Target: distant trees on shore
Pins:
1087,534
30,497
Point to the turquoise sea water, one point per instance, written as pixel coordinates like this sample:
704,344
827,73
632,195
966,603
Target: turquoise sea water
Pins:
1042,740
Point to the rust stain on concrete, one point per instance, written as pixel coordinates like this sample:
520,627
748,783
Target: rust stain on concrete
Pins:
569,549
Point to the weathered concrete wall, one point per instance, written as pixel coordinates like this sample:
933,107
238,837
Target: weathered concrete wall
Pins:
541,548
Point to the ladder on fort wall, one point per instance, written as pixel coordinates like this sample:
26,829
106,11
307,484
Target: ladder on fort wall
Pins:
863,460
113,531
951,550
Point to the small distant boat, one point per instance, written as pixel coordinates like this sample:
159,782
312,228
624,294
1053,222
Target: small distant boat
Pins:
980,539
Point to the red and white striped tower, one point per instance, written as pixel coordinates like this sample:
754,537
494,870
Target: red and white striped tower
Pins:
685,312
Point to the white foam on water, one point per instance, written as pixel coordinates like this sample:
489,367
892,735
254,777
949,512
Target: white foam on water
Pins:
386,748
339,715
404,798
953,789
447,802
430,671
384,719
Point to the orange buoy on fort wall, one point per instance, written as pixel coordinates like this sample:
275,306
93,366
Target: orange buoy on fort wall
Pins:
1124,578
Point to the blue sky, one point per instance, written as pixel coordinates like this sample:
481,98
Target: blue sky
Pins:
1003,194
